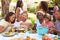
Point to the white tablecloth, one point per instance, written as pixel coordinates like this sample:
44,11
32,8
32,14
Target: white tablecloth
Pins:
38,37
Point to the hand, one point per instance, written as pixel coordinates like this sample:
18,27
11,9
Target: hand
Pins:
51,30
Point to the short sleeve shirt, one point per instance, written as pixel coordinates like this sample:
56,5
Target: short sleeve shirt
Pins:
57,26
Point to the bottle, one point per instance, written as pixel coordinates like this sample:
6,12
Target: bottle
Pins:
56,37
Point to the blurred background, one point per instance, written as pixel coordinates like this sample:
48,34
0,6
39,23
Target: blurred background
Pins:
29,5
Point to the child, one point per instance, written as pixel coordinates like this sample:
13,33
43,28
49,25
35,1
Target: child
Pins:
47,22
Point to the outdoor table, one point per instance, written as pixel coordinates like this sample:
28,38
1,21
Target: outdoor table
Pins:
23,35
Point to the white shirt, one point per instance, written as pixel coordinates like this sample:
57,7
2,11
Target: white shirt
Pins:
17,24
21,11
4,23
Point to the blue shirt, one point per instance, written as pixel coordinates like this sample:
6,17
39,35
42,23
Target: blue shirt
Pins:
40,29
37,23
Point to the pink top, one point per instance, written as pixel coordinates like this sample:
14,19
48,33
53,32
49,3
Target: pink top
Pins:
50,24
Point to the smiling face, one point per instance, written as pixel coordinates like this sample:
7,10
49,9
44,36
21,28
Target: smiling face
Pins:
40,16
57,15
24,16
12,18
21,4
46,19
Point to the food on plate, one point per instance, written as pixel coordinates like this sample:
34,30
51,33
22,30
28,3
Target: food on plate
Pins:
33,39
46,38
27,38
33,31
13,30
20,30
16,39
9,33
56,37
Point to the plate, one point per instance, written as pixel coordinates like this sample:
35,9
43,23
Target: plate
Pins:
8,35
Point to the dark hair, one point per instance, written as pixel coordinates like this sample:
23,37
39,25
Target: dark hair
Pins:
44,6
39,13
34,28
7,17
18,4
45,16
56,4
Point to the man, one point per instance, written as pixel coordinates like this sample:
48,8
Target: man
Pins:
57,23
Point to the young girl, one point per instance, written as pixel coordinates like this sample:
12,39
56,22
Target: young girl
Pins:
47,22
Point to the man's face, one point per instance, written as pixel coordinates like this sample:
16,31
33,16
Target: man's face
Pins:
57,15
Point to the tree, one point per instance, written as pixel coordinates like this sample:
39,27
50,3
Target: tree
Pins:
5,7
57,1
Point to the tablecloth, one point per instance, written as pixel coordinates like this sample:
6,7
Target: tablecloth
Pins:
23,35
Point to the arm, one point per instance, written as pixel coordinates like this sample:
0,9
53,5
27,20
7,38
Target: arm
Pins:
2,28
17,11
58,31
34,26
29,24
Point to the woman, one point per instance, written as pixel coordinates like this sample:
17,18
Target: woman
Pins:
39,20
38,24
6,24
43,7
19,8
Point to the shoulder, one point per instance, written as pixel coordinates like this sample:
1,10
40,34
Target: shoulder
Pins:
36,21
51,23
3,22
18,8
57,21
28,21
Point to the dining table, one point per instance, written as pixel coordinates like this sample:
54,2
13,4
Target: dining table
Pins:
23,35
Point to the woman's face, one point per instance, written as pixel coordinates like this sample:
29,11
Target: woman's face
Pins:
40,16
12,18
21,5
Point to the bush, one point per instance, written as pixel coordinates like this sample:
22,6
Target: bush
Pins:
31,10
